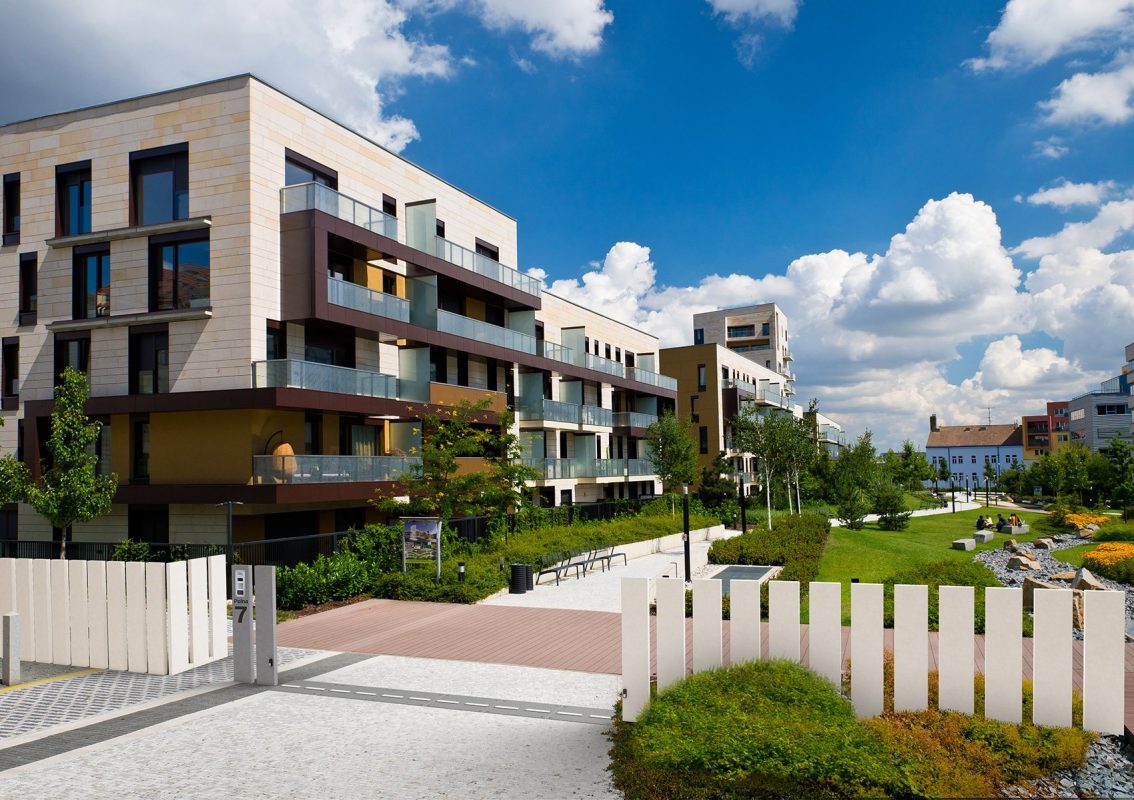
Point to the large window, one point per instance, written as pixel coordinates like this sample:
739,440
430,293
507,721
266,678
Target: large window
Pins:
74,351
701,378
73,198
300,169
11,209
90,283
698,336
10,372
741,331
29,292
1112,409
149,362
703,435
159,183
179,273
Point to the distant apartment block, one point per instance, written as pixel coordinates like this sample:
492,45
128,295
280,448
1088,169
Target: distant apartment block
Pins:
266,303
968,448
829,434
1046,433
1101,416
759,333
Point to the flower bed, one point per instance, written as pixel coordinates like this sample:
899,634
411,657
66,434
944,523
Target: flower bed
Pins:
1114,560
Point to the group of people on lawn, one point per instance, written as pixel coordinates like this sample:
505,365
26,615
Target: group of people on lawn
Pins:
986,523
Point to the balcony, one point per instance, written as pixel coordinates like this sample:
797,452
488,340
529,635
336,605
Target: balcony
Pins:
316,197
569,413
286,373
368,301
552,469
633,419
787,373
600,364
567,468
556,352
471,328
651,378
451,394
788,356
483,265
304,469
639,467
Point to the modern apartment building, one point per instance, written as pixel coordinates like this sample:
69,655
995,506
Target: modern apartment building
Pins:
713,384
758,332
829,434
241,278
1046,433
967,448
1099,417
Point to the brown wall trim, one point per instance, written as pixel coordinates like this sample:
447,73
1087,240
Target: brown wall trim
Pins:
164,150
310,163
268,494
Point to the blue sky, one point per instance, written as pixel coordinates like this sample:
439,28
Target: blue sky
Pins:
939,194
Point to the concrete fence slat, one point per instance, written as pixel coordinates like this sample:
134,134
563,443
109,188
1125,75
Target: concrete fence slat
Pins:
957,648
866,649
1003,654
60,618
1051,658
78,612
911,648
198,576
218,607
177,615
136,616
7,585
1104,673
824,630
117,625
157,619
708,630
635,646
744,621
783,620
41,609
25,607
97,614
670,630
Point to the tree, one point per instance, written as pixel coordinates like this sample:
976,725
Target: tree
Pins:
1047,474
944,473
1122,457
856,474
69,489
713,489
989,477
798,454
914,467
1073,459
766,437
672,451
890,505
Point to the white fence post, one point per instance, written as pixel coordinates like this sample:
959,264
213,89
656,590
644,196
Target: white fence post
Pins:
218,607
25,607
7,585
1104,671
41,609
956,648
866,649
177,615
1051,658
198,611
911,648
670,630
783,620
78,611
744,621
708,631
97,614
157,614
60,629
825,630
117,625
1003,654
635,646
136,616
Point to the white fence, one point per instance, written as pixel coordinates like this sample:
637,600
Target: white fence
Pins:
1103,673
136,616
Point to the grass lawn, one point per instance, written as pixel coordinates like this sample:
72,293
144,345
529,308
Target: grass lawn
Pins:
872,555
1074,555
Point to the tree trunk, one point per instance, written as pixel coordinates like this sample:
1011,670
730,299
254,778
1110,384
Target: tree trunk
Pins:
63,542
768,496
787,484
798,507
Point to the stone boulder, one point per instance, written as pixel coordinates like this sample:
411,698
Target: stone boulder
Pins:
1043,544
1010,544
1085,533
1085,580
1030,586
1064,576
1022,561
1092,527
1077,614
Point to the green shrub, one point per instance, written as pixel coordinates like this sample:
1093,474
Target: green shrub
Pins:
338,577
890,506
852,508
945,573
132,550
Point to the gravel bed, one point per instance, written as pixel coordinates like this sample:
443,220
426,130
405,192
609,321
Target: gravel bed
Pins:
1107,772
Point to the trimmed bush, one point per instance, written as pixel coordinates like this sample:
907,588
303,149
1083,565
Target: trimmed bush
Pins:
1114,560
796,544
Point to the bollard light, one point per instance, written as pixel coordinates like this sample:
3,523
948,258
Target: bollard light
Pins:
461,571
685,535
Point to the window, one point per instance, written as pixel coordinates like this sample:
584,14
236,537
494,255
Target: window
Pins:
698,336
147,523
90,282
490,251
159,183
276,347
10,372
29,296
724,373
701,379
140,450
764,329
695,407
704,434
11,209
618,354
300,169
741,331
629,359
440,230
389,205
389,284
608,352
1078,414
313,433
179,273
1112,409
73,198
74,351
149,362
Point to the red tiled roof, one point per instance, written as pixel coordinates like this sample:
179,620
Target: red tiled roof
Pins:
975,436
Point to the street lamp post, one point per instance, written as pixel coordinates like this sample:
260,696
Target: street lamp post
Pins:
228,504
953,493
685,535
743,505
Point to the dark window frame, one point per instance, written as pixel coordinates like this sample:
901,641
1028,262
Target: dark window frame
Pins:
488,250
330,176
440,229
67,176
139,337
698,336
139,458
79,274
10,373
156,265
11,226
61,346
276,339
177,155
702,377
703,434
389,205
29,288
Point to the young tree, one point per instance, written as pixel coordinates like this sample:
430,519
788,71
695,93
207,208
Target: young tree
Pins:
944,473
763,435
70,490
798,454
914,467
672,451
713,489
989,477
1122,457
890,505
1047,474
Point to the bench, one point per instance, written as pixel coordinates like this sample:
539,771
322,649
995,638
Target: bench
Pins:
964,544
556,564
983,537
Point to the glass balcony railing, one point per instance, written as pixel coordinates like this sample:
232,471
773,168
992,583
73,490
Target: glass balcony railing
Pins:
351,295
551,469
485,332
638,467
549,411
287,373
329,469
483,265
556,352
596,415
601,364
633,419
316,197
605,468
651,378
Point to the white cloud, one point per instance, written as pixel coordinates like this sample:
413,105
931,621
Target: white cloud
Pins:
1069,194
750,18
1052,147
1032,32
1092,98
876,336
559,28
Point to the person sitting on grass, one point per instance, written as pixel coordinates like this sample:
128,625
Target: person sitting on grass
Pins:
1001,523
980,523
1014,520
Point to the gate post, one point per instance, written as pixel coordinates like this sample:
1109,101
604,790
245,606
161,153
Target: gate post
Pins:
267,662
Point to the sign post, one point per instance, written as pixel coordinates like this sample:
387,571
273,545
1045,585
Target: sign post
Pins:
421,542
267,662
243,667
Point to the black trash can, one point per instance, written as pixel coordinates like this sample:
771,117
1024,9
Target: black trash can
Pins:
530,577
519,579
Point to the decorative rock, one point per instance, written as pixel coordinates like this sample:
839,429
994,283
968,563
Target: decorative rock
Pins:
1092,527
1085,533
1030,586
1022,561
1043,544
984,537
1077,609
1063,576
1010,544
964,544
1085,580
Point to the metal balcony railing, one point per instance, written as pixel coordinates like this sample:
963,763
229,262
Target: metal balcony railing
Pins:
329,469
651,378
485,332
483,265
633,419
606,365
316,197
351,295
291,373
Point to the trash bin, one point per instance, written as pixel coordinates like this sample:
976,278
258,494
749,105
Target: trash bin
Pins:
519,579
530,577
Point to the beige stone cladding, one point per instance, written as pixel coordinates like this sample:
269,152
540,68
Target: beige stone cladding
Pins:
213,120
772,348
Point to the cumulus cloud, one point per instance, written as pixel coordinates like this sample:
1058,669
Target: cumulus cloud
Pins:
1093,98
1032,32
1052,147
875,336
349,58
1067,194
751,17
